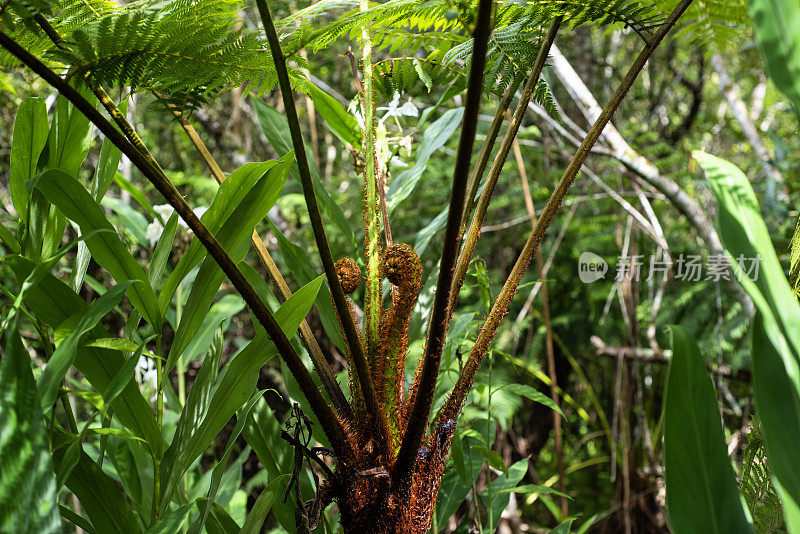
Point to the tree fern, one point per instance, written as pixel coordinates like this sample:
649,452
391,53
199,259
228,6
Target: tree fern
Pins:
188,50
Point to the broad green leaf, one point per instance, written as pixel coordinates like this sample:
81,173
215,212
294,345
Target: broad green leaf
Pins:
9,240
99,496
220,522
702,494
218,317
776,354
337,119
219,469
234,235
127,219
255,519
499,490
533,394
775,23
228,198
162,251
263,434
76,203
53,301
27,484
171,523
275,128
234,389
563,528
67,146
64,355
27,142
430,230
119,451
124,375
70,135
299,264
107,164
196,403
435,136
778,407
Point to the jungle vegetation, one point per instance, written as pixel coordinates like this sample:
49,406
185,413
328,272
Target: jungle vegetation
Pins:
399,267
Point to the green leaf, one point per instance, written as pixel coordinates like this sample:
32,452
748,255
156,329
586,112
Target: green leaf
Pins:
124,375
276,129
221,522
775,23
171,523
70,135
75,519
498,489
563,528
776,336
75,202
53,302
234,235
9,240
299,264
64,355
228,198
255,519
430,230
99,496
493,459
218,317
233,390
195,409
533,394
337,119
424,76
120,453
162,250
27,485
435,136
457,483
27,142
136,194
702,494
219,469
107,164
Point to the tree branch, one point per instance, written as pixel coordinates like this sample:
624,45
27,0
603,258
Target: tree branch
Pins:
306,335
339,300
454,403
468,249
440,315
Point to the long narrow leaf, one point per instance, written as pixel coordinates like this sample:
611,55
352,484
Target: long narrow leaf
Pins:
64,355
29,138
745,236
702,495
75,202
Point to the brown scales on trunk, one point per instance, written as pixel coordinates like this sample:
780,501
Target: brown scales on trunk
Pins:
361,484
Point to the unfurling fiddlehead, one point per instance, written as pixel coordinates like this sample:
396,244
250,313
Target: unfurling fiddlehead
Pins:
349,274
401,266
